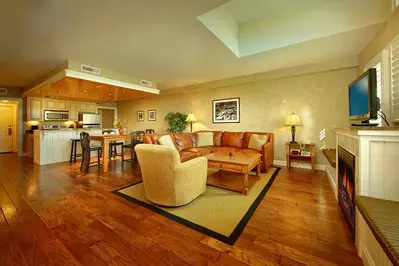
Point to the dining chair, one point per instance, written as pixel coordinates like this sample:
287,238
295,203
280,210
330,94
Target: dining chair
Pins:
86,152
113,144
136,137
149,131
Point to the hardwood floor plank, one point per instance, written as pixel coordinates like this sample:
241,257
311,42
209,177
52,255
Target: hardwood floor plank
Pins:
55,215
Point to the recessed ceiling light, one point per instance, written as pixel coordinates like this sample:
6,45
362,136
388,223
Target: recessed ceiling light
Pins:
59,92
98,86
110,94
123,91
84,90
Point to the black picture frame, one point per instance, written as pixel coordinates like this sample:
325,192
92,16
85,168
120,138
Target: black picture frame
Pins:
226,110
152,115
140,116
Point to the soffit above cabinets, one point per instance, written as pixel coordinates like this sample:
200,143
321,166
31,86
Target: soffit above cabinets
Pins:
73,85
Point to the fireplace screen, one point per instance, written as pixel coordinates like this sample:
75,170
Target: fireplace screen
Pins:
346,187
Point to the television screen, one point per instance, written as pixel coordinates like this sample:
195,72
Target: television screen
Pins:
359,97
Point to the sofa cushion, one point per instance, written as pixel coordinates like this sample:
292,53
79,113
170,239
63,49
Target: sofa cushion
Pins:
183,141
166,141
257,141
187,155
200,151
232,139
204,139
217,138
247,138
224,150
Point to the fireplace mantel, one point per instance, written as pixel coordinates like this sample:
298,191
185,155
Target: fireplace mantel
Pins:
377,161
376,175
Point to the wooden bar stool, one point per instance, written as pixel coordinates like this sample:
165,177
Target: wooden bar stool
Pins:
86,152
73,151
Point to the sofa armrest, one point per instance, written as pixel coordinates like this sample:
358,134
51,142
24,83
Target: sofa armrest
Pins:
268,155
147,140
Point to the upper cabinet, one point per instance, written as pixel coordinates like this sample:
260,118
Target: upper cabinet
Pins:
87,107
73,111
34,109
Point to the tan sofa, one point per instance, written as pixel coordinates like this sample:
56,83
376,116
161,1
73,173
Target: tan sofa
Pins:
186,144
167,181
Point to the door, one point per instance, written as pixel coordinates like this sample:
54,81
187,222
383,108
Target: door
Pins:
107,118
6,129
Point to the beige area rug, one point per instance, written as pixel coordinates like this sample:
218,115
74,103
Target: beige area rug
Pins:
218,213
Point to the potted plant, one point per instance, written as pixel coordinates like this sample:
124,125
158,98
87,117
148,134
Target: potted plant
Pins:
177,122
120,125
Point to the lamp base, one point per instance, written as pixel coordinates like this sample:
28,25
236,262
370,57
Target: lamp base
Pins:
293,134
293,142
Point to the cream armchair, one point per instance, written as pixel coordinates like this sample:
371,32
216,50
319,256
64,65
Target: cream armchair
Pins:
167,181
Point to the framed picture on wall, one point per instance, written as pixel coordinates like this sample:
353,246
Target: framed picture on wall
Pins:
140,116
152,115
226,110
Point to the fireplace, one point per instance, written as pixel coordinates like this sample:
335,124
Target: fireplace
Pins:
346,187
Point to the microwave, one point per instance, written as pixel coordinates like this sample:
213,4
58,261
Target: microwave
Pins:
56,115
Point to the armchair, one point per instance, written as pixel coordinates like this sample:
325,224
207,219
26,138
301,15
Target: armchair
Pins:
167,181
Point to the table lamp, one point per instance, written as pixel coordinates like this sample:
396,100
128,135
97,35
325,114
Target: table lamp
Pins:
293,120
191,119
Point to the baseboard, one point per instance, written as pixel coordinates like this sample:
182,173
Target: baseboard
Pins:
320,167
366,258
333,184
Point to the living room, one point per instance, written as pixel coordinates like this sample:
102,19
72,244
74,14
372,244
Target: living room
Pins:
226,88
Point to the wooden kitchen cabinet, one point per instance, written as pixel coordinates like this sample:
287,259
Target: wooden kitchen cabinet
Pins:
63,105
73,111
51,104
35,109
92,107
87,107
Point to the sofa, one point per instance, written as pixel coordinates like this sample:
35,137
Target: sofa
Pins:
223,141
168,181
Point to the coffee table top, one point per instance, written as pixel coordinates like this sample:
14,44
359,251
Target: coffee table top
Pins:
239,158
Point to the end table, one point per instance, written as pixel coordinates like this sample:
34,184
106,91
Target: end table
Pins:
311,147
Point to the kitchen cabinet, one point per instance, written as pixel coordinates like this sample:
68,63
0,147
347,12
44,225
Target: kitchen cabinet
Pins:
73,111
35,109
51,104
87,107
63,105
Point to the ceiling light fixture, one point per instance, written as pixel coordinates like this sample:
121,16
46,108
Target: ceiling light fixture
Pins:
59,92
110,94
84,90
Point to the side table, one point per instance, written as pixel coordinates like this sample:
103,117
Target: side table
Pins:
311,147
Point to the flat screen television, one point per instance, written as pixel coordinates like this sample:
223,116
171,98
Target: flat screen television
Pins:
363,101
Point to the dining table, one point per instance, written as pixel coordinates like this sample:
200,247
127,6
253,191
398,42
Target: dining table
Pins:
105,140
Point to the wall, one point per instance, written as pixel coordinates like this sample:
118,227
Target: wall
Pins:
380,41
321,100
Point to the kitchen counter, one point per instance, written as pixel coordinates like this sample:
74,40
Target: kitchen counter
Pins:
54,146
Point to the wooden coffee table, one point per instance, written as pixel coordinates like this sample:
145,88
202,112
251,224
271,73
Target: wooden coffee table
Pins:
241,163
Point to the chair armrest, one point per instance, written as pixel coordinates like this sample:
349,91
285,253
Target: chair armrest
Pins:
268,155
199,162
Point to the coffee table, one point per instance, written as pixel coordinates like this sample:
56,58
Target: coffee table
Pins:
240,162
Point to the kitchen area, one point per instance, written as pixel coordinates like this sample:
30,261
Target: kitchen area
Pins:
70,102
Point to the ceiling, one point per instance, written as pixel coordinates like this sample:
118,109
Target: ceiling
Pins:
75,89
163,41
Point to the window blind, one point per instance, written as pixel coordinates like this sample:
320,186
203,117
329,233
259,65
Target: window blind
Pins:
395,79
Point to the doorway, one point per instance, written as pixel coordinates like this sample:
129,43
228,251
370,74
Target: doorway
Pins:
8,126
107,118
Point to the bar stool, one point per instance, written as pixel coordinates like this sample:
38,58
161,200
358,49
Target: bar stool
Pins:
73,151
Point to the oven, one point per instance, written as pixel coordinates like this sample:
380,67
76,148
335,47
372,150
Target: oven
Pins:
56,115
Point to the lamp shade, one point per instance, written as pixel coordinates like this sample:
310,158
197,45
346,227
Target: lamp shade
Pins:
293,120
191,118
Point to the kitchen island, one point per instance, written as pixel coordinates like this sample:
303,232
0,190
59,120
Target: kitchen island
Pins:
54,146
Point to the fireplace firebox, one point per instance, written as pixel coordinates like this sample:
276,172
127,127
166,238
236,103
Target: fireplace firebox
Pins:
346,187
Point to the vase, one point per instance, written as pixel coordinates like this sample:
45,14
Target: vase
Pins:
122,131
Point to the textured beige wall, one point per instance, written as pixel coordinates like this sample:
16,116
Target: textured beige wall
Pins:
380,41
321,100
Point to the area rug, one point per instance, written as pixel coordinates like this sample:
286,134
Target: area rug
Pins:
218,213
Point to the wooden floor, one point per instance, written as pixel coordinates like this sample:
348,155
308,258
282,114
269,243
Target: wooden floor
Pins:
54,216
